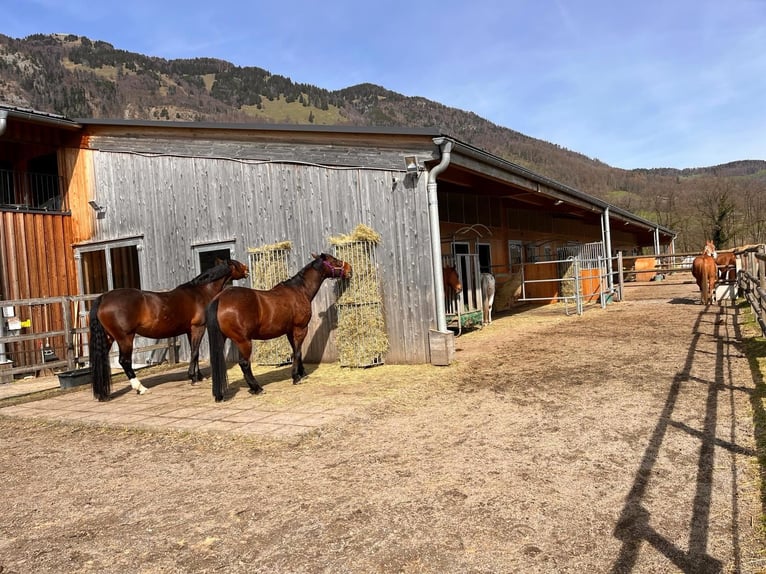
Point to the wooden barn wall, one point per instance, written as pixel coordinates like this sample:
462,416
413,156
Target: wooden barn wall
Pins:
36,256
175,203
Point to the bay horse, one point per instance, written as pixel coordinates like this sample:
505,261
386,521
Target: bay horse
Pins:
242,314
121,314
705,272
487,295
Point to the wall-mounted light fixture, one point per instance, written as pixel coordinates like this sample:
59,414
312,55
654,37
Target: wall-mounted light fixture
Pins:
99,209
411,164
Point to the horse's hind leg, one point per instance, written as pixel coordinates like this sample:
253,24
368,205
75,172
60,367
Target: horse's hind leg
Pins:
195,338
126,362
296,342
245,350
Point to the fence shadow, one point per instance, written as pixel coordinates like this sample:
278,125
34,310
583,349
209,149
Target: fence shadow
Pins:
634,528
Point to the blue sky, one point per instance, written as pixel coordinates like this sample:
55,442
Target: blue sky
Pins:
658,83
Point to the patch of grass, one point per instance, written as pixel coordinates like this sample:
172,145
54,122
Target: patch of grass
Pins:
754,347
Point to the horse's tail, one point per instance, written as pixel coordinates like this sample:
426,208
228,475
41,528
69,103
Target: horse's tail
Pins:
217,355
101,372
708,284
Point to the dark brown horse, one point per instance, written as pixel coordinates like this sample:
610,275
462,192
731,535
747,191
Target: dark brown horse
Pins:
121,314
705,272
243,314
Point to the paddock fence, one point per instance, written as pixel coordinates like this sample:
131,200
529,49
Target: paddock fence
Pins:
49,335
751,280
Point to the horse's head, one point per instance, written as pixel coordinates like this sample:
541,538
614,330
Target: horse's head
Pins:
334,268
452,279
238,270
709,249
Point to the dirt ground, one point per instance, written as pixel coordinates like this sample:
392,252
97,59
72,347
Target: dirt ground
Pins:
618,441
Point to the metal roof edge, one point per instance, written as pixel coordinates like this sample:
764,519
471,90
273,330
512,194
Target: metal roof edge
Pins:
36,116
334,128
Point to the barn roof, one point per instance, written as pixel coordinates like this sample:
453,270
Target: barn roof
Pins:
469,163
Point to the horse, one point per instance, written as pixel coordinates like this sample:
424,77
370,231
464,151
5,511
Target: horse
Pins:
451,280
487,295
705,272
121,314
727,266
242,314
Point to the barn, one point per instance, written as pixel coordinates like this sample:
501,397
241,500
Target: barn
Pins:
89,205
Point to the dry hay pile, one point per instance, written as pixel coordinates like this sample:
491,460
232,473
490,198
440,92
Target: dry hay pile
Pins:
268,266
361,335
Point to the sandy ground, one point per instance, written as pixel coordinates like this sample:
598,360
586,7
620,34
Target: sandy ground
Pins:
618,441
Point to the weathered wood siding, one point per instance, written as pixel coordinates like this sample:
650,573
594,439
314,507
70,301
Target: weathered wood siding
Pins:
176,200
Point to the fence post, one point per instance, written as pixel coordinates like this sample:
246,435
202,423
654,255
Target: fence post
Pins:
620,275
66,310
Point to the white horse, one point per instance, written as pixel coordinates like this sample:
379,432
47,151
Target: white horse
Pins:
487,295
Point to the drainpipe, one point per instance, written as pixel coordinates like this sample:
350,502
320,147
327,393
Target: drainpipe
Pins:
3,358
3,121
436,239
606,222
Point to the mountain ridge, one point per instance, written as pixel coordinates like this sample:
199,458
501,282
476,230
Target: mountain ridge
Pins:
82,78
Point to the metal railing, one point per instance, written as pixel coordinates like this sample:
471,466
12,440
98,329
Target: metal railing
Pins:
52,334
28,191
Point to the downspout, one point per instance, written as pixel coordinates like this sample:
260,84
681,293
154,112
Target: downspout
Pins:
436,239
3,121
607,226
656,240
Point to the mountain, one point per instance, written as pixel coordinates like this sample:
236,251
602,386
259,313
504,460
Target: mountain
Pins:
83,78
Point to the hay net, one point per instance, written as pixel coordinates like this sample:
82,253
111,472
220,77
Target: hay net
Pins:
361,335
268,266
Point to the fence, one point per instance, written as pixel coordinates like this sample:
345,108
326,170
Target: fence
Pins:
51,334
751,280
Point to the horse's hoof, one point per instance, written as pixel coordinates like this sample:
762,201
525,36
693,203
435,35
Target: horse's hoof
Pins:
258,391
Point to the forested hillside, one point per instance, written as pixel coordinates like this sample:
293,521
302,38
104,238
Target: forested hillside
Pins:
83,78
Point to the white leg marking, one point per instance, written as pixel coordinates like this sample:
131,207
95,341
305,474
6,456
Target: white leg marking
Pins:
138,387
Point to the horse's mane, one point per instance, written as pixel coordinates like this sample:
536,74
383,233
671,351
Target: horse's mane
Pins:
212,274
298,278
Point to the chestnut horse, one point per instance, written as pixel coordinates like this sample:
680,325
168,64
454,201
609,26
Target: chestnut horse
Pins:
727,266
242,314
705,272
451,280
121,314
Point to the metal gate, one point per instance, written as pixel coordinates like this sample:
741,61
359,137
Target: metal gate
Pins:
577,276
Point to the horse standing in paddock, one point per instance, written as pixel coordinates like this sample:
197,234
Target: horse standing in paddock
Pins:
451,280
705,272
121,314
242,314
487,295
727,266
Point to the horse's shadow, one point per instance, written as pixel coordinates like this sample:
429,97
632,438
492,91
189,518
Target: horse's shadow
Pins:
278,375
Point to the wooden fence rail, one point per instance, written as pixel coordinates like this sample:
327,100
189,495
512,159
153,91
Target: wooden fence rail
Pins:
51,334
751,281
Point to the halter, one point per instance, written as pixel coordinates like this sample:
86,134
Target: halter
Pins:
340,270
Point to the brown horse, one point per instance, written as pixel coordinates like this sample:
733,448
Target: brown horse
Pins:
121,314
243,314
451,280
705,272
727,266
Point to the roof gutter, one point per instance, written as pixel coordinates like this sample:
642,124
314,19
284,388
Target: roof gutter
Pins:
445,146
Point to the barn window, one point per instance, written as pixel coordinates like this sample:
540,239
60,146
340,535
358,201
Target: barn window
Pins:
109,266
206,255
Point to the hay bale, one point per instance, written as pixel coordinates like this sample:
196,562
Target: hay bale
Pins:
361,335
268,267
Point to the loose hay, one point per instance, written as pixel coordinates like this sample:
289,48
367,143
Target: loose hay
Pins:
268,266
361,335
